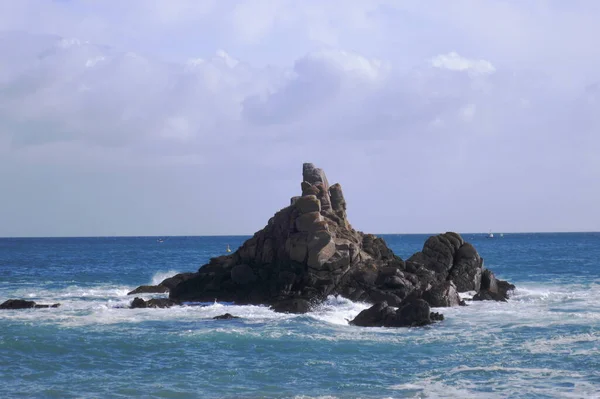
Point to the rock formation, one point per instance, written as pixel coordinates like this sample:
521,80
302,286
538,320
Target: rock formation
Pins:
308,251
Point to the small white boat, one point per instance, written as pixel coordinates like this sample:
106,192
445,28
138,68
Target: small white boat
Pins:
228,249
490,234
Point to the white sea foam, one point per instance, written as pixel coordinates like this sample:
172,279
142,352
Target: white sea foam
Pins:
74,296
467,295
337,310
429,388
480,325
117,311
530,306
566,345
159,277
499,382
315,397
523,370
250,313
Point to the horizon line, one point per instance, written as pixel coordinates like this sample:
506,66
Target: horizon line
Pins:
251,234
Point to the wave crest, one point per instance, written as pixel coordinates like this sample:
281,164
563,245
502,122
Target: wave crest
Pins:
159,277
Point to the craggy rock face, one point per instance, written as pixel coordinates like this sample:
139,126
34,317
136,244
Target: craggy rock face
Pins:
309,250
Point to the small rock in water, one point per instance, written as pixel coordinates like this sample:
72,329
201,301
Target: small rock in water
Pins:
23,304
138,303
411,313
493,289
435,316
226,316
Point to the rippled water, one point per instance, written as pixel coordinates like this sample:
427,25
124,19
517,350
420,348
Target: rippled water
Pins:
545,342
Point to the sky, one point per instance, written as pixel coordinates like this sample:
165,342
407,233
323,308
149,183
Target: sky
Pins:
193,117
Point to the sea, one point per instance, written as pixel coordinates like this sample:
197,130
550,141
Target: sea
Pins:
543,343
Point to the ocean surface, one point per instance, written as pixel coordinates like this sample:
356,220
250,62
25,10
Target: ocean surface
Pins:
543,343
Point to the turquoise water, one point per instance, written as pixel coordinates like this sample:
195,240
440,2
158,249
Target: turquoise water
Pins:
543,343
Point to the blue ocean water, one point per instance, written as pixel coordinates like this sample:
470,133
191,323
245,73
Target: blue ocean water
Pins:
543,343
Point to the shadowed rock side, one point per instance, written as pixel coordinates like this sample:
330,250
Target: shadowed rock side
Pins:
309,250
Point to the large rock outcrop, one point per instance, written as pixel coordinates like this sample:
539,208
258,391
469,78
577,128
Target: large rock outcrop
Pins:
308,250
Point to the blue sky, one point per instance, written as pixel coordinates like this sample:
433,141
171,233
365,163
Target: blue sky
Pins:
194,117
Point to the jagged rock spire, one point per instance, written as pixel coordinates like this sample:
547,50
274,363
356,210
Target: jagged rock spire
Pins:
315,183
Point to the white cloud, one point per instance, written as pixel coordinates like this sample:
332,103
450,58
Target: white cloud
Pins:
361,67
229,60
467,113
455,62
93,61
103,97
318,79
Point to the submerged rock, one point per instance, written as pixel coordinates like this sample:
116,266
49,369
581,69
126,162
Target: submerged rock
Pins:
309,250
23,304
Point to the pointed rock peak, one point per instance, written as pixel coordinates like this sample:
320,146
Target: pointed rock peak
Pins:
312,174
315,183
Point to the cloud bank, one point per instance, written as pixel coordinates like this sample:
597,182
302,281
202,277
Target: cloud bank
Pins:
188,117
